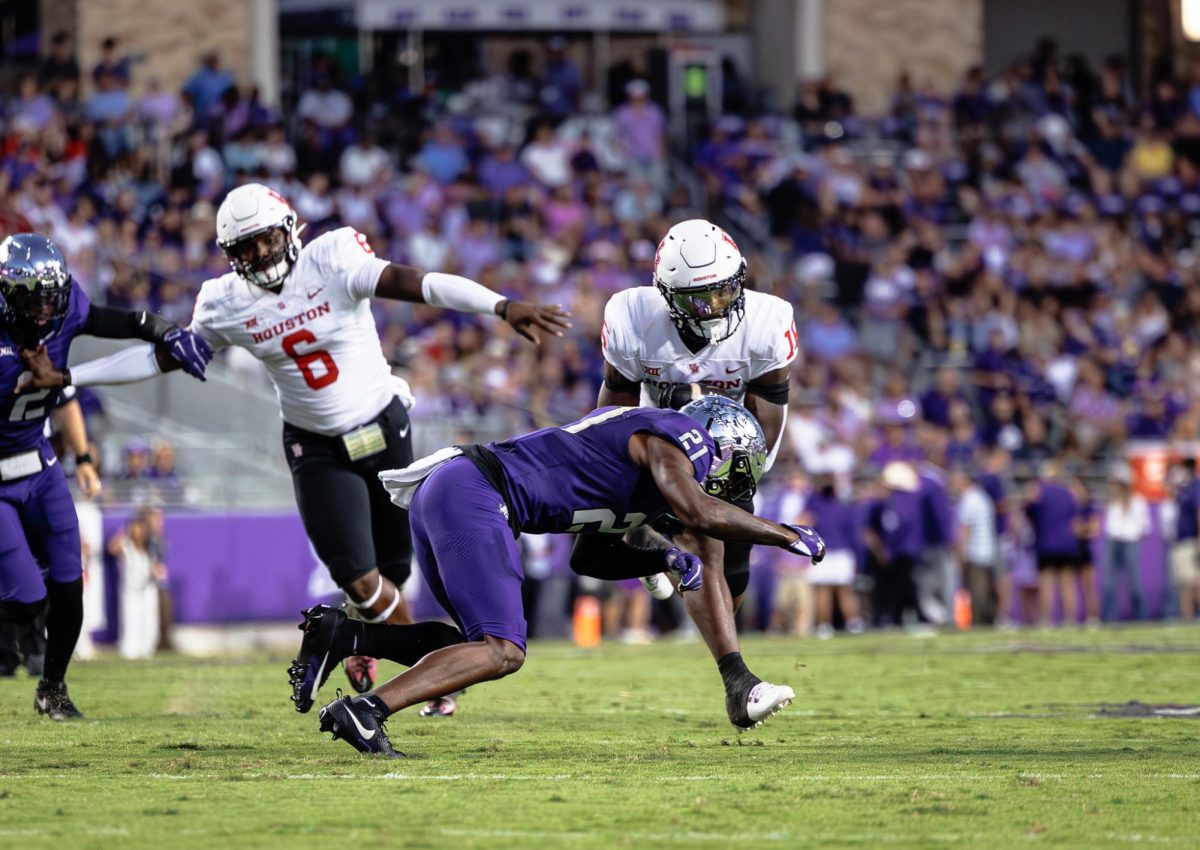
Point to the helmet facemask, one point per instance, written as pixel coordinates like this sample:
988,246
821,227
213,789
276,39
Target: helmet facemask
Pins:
735,478
265,268
711,312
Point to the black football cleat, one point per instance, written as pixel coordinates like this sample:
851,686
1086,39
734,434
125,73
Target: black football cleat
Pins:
53,701
318,654
358,724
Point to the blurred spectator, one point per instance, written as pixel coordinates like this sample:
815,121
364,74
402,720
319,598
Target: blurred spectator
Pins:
327,107
547,157
207,85
111,65
895,539
1054,511
140,573
793,608
834,576
561,81
1126,524
642,129
59,65
363,162
977,545
1184,555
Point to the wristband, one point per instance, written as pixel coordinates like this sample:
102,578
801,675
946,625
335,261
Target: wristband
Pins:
86,457
66,377
502,309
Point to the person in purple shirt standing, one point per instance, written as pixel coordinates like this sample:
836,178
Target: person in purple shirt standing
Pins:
41,311
611,472
1055,510
895,538
834,576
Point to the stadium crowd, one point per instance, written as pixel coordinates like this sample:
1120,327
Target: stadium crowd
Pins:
996,287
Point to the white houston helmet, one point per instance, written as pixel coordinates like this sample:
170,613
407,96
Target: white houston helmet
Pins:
248,215
700,271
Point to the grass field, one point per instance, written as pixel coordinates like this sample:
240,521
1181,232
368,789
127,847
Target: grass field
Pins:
981,740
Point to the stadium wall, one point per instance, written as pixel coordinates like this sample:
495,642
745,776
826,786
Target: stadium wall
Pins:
868,44
168,36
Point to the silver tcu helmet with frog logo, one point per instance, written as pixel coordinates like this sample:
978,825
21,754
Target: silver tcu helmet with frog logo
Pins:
741,446
35,286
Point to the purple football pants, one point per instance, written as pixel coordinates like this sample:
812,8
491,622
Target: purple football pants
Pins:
467,554
38,530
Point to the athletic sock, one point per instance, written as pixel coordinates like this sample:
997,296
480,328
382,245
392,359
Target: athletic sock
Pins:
375,704
403,644
64,622
735,673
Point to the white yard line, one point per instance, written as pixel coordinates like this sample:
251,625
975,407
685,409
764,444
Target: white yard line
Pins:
841,778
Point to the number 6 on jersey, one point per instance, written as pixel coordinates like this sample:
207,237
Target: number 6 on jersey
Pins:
305,359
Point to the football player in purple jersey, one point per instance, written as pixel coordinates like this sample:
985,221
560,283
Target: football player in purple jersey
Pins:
613,471
41,310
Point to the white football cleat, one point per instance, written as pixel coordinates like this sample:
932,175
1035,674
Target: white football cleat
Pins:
766,699
658,586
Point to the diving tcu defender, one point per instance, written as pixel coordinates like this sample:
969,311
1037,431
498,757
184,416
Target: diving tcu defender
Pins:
696,332
616,469
304,311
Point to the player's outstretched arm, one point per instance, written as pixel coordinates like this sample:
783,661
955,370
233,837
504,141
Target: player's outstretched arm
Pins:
169,348
452,292
674,476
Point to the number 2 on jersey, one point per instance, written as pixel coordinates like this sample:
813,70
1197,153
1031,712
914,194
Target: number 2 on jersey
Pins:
306,359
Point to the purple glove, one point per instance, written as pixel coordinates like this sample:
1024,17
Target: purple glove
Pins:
687,566
193,352
809,544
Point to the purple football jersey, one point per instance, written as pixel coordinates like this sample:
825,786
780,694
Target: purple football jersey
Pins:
580,478
23,417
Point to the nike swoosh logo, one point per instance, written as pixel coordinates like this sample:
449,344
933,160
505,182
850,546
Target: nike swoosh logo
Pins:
366,735
313,295
317,681
404,431
729,371
51,462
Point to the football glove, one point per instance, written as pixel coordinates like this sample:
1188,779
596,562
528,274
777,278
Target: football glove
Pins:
809,544
193,352
687,566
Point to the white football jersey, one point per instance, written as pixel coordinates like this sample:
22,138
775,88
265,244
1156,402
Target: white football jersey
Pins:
316,336
642,343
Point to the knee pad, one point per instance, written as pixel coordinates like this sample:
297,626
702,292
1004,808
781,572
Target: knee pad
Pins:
21,613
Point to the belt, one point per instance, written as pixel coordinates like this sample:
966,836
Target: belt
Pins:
489,466
16,467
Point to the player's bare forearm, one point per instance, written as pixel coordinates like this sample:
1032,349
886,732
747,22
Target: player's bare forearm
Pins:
617,390
695,509
70,420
